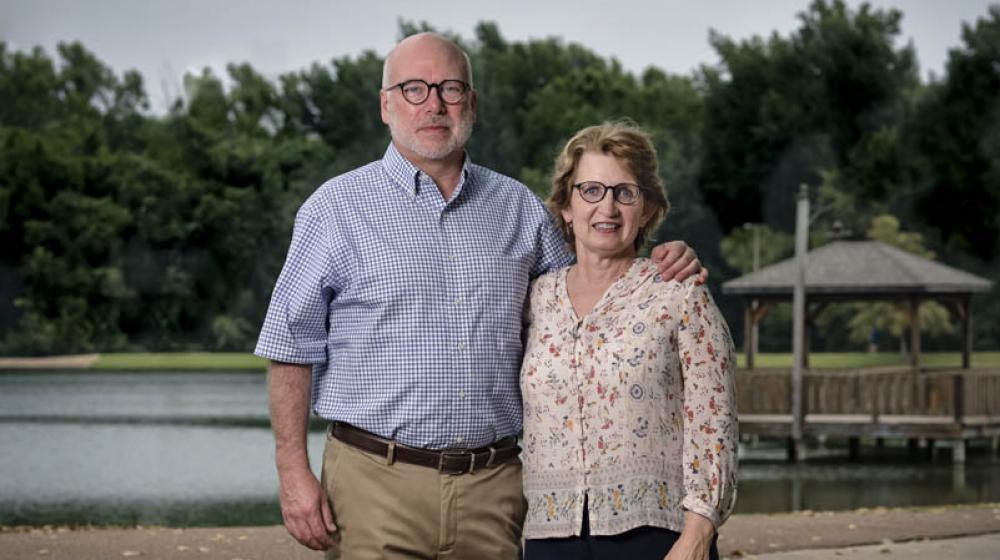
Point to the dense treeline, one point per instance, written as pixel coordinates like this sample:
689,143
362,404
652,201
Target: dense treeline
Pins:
125,230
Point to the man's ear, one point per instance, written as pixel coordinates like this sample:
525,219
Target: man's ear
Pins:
383,101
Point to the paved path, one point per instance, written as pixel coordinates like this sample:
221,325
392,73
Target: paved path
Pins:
817,536
76,361
985,547
757,534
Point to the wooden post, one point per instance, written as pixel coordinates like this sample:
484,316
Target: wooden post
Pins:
958,451
958,384
915,332
812,311
758,310
755,330
748,341
958,444
965,312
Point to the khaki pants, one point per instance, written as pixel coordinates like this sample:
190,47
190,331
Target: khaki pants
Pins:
410,511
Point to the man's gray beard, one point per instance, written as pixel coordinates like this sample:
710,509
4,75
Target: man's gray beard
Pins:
464,131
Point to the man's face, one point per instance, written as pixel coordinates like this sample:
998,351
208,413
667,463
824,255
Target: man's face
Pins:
432,130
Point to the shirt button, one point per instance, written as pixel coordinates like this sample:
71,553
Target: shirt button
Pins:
461,346
452,258
461,394
459,300
459,439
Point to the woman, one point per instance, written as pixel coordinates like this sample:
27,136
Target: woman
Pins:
629,419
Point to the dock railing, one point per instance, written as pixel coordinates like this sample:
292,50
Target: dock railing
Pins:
887,401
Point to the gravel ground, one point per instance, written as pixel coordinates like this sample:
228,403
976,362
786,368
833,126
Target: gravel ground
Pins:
908,533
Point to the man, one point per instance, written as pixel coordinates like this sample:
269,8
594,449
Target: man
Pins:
398,312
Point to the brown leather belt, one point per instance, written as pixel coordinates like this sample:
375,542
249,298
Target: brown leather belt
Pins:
450,461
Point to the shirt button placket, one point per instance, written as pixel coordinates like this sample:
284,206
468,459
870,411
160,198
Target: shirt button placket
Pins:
454,274
579,369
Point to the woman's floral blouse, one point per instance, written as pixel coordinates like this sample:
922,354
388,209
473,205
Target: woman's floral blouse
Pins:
630,407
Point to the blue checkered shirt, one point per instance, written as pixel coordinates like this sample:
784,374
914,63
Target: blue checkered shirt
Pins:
409,307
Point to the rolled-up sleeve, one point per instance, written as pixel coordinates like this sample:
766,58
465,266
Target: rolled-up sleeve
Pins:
710,426
295,328
552,250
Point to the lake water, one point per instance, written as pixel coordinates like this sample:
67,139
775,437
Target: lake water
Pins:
195,449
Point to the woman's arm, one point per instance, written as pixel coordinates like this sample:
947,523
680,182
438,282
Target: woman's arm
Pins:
695,541
707,360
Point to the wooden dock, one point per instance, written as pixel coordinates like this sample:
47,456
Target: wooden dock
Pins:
954,405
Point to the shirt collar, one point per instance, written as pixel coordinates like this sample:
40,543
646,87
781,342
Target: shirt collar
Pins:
409,178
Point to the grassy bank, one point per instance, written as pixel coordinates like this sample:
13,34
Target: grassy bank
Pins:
219,361
863,359
180,361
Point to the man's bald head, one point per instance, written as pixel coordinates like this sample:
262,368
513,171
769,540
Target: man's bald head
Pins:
423,45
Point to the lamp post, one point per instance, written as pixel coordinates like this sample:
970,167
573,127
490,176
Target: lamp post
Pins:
796,449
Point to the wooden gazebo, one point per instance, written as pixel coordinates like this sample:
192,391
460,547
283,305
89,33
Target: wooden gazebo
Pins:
860,270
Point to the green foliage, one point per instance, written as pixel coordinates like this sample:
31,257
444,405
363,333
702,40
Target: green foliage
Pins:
129,230
957,131
772,246
778,111
894,319
885,228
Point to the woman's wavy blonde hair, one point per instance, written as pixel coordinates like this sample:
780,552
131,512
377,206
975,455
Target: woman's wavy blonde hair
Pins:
631,146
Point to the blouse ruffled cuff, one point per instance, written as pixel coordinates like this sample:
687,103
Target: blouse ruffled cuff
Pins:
703,509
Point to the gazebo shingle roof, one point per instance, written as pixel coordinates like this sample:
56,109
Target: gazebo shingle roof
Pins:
859,268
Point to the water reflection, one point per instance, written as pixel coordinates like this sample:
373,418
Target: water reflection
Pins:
210,398
146,448
120,474
195,449
889,481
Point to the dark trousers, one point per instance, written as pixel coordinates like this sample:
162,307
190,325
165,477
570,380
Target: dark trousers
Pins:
640,543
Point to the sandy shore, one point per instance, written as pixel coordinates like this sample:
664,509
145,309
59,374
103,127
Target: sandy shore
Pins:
946,532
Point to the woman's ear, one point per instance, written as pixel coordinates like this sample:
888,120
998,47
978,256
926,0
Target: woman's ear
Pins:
647,215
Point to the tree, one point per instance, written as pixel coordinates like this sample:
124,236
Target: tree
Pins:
957,131
128,230
781,110
771,246
64,127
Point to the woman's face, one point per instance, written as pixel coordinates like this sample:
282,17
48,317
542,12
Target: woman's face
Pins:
605,229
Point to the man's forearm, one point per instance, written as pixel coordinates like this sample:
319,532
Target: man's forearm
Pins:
289,387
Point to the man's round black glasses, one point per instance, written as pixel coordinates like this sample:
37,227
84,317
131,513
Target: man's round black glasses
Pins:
623,193
416,92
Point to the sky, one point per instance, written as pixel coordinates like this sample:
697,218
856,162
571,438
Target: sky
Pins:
166,38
